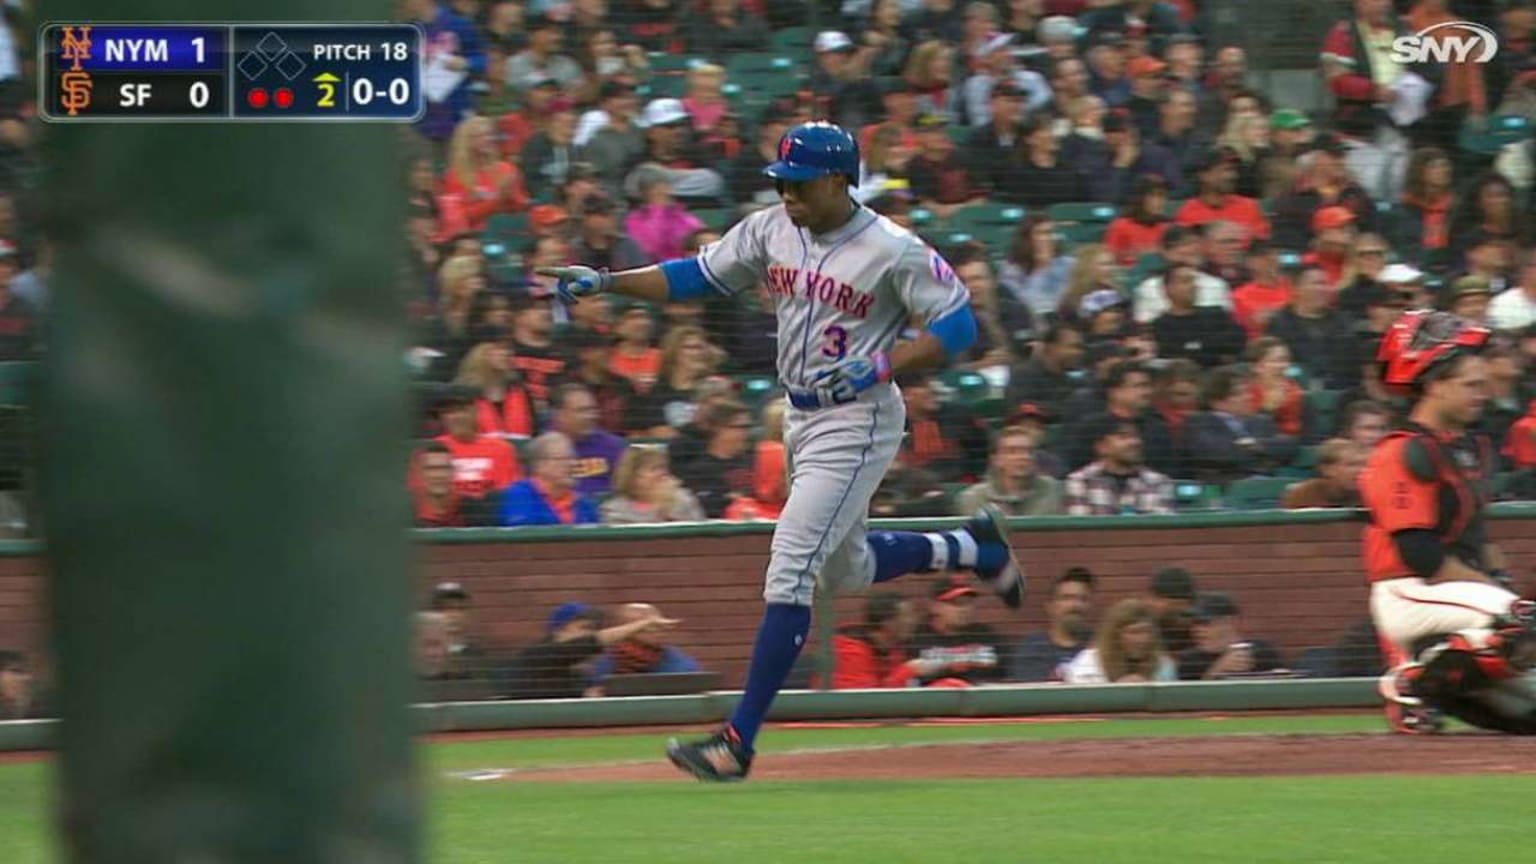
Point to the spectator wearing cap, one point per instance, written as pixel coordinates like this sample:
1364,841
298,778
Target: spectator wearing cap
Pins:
1047,378
1339,461
558,665
1227,441
1469,297
1423,216
1140,227
1204,334
1228,79
1013,483
515,129
575,413
1043,656
1333,239
451,601
504,406
991,145
1215,199
934,20
617,143
643,653
1106,58
725,29
483,465
1515,308
1158,19
951,649
592,356
872,654
841,79
548,156
670,152
1177,134
1130,158
659,225
536,355
1117,482
941,178
1488,209
1037,177
1220,649
1171,595
1362,72
478,183
19,331
1323,182
1102,312
1402,282
747,184
600,244
1149,87
542,59
455,40
998,80
548,496
1257,301
1126,649
1290,135
656,25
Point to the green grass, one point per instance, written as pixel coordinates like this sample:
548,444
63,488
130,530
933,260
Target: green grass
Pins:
1091,821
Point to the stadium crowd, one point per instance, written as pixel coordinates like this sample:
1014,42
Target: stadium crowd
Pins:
1180,282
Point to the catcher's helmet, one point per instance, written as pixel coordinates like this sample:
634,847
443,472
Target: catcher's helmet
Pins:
813,150
1422,341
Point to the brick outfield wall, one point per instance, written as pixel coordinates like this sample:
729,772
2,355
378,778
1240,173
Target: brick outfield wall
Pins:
1299,584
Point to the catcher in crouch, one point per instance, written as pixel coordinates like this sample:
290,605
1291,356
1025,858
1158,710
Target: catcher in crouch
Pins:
1459,642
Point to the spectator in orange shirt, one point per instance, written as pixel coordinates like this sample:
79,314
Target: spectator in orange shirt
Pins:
770,484
503,405
1271,391
1139,228
872,653
1333,238
434,501
482,464
478,183
635,355
1215,201
1256,302
1424,216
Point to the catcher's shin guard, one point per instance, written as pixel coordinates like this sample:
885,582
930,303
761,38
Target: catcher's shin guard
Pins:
1463,662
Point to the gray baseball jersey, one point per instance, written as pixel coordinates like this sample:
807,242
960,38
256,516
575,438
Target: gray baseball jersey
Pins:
844,294
847,293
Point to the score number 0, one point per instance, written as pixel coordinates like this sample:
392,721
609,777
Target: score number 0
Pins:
363,92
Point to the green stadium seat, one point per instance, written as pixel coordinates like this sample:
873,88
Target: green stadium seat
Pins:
1323,408
1189,496
756,63
977,215
1500,131
17,379
755,390
716,218
1082,211
793,40
968,388
664,64
1079,234
1306,460
505,226
666,87
1257,493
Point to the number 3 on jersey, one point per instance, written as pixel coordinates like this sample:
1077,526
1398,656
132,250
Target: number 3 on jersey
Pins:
834,342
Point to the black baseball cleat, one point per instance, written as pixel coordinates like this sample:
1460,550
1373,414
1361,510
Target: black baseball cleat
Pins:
720,758
996,565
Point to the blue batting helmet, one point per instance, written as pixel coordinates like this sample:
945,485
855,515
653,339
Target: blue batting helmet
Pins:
813,150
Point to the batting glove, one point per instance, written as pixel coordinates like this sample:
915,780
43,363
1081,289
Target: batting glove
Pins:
577,281
844,382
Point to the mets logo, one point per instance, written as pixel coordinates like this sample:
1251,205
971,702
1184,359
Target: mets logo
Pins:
941,269
784,147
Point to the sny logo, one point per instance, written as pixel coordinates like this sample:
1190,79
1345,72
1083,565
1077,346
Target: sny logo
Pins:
75,83
1455,42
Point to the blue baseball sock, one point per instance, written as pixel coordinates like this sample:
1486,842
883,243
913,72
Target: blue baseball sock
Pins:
898,553
779,640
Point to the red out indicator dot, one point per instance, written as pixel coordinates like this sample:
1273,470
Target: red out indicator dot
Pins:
283,97
257,97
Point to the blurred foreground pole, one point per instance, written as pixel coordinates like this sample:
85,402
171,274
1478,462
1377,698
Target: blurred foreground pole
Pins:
225,427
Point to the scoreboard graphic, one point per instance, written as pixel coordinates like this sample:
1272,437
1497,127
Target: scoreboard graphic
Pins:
231,72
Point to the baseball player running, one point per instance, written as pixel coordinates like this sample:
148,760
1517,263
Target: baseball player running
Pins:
1458,641
845,281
